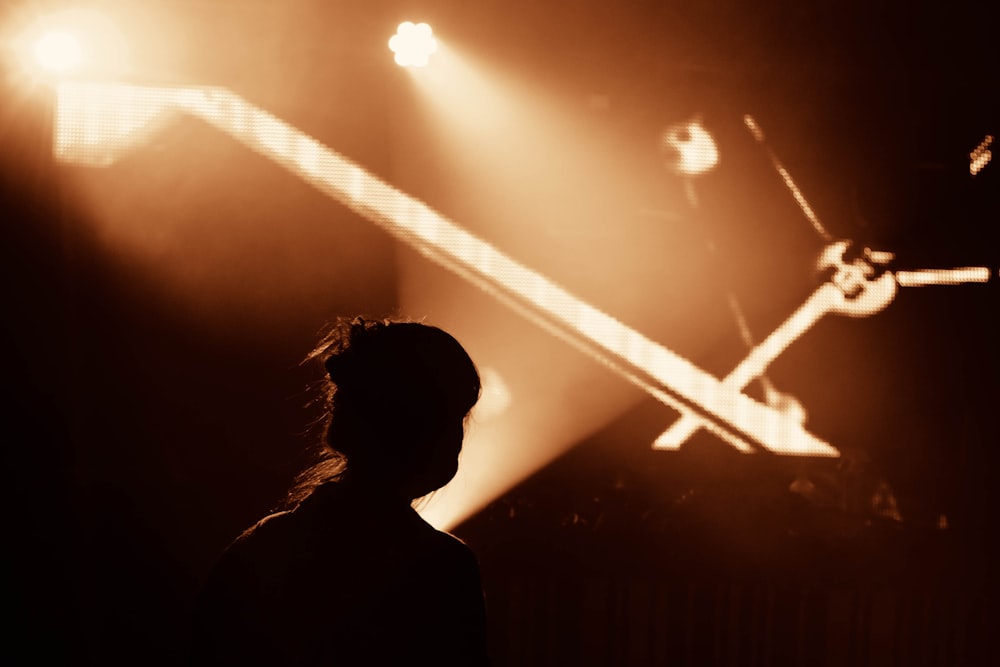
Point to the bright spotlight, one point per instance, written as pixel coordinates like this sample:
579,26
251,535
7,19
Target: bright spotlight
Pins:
692,148
58,51
71,42
413,44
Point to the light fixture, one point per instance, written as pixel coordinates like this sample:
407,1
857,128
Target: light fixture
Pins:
69,44
691,147
413,44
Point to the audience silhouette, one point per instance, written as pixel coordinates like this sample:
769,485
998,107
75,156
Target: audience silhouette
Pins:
347,573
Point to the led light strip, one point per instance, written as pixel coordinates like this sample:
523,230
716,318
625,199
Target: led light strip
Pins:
972,274
667,376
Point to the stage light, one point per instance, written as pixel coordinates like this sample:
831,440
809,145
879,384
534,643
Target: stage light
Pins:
58,52
96,123
70,42
691,147
413,44
959,276
667,376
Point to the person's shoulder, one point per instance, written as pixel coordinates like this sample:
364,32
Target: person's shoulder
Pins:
452,541
268,537
263,529
270,523
448,548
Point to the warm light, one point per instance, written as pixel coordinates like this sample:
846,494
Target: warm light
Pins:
58,52
692,147
821,302
97,123
413,44
854,290
495,398
71,42
664,374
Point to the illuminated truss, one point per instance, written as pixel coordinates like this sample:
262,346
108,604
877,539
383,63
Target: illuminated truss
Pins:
96,123
857,288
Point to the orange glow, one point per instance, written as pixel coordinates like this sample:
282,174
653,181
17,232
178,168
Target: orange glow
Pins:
96,122
495,398
853,290
693,147
72,41
524,165
105,122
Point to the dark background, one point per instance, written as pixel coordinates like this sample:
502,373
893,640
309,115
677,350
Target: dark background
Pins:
149,419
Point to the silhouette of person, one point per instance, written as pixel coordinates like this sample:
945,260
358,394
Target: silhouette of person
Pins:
349,573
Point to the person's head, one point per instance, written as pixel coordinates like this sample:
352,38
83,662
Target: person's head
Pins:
397,396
